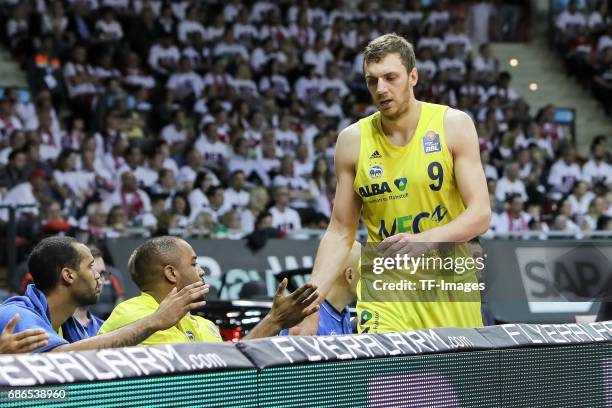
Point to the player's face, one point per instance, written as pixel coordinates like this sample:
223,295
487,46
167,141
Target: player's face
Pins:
87,283
390,85
99,269
188,268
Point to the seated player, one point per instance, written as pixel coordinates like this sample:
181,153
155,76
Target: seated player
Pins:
334,315
163,263
64,279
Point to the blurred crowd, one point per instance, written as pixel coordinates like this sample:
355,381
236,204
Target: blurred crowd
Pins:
583,37
221,117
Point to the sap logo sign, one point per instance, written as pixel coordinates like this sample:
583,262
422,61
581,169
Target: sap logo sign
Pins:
409,223
376,172
374,189
564,279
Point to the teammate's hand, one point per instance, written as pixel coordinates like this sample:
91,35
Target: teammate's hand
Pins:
308,327
22,342
178,303
287,311
412,245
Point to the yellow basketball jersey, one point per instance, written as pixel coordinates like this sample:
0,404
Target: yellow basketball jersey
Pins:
407,188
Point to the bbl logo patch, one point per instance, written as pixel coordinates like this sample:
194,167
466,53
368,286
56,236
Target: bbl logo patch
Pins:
376,171
431,142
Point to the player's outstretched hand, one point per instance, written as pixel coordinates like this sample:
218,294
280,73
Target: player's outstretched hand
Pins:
22,342
178,303
289,310
411,245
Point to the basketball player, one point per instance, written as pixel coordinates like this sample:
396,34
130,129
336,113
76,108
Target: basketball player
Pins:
413,169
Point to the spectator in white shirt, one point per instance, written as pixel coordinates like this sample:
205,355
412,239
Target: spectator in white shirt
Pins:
218,78
275,81
298,187
197,197
229,49
175,133
80,80
598,208
244,32
286,138
503,90
235,195
570,20
332,80
515,220
565,172
303,162
425,63
439,17
301,31
452,65
243,83
597,169
164,56
510,184
284,217
580,199
185,83
457,37
269,160
486,64
108,28
134,201
214,152
319,55
134,163
259,201
330,106
190,25
251,168
216,202
307,86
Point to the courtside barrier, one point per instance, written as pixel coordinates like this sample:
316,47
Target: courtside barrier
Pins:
514,365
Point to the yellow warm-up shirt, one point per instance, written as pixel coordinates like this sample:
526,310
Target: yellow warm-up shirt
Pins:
190,328
410,189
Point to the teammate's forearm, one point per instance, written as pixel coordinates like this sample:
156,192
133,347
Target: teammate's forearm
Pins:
127,336
266,328
475,220
333,250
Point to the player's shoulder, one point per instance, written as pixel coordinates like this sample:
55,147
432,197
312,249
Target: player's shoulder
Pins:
459,130
456,117
349,133
348,145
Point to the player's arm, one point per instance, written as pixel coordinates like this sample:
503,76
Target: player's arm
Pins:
287,311
169,312
338,240
462,140
23,342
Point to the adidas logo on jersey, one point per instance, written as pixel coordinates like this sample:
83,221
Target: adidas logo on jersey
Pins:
375,155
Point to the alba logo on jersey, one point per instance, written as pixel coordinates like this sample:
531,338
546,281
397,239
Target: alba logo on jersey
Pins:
410,223
374,189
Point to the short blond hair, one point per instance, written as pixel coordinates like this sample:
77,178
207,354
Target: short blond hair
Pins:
387,44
